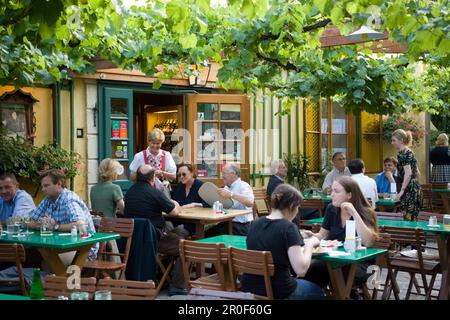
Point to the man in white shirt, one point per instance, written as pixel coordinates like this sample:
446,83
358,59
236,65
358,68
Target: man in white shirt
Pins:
240,193
367,185
339,170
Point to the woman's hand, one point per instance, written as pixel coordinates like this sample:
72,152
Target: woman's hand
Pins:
307,234
399,195
349,208
313,241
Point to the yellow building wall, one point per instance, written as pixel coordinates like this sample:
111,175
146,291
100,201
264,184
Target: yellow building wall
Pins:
80,146
42,110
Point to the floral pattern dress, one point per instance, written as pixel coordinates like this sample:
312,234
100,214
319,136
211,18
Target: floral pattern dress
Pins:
411,201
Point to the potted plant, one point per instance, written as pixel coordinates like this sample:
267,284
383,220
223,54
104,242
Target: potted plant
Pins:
297,170
407,123
20,157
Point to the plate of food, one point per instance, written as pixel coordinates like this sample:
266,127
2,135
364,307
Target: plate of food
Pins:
321,250
330,243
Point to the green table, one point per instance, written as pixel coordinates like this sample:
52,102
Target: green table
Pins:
443,241
387,205
445,196
342,285
51,246
4,296
325,198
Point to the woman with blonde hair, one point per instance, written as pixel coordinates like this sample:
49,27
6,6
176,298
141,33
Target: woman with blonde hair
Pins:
106,196
408,174
440,159
160,160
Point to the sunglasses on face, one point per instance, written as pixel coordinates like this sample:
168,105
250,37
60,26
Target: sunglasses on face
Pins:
182,174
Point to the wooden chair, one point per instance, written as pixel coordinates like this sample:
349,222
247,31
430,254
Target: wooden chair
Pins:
415,237
125,228
165,264
424,216
128,289
253,262
205,294
55,286
14,253
317,204
383,241
389,215
427,197
260,207
436,204
192,252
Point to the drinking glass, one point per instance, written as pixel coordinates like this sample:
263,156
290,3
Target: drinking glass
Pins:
26,220
79,295
103,295
45,227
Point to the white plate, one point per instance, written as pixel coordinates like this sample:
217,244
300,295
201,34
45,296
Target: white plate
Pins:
326,243
65,234
433,225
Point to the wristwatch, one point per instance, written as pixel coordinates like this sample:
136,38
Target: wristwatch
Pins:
56,227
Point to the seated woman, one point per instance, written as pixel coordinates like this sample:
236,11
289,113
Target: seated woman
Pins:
106,196
348,203
186,192
276,233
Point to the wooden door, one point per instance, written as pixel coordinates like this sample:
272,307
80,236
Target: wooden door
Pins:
218,127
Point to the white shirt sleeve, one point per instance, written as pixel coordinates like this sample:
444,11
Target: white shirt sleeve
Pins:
170,165
137,161
328,180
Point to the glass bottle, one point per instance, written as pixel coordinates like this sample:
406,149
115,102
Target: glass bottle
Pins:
37,290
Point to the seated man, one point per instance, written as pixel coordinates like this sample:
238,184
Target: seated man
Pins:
240,193
389,176
13,201
143,200
339,170
366,184
63,207
279,171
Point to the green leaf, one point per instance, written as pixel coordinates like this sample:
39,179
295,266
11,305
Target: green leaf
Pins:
204,5
261,7
248,9
183,26
156,84
321,4
336,14
188,41
202,24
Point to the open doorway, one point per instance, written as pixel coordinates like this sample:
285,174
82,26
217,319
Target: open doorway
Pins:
161,111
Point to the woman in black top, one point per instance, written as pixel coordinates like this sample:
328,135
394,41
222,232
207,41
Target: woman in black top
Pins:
277,234
440,159
186,192
348,203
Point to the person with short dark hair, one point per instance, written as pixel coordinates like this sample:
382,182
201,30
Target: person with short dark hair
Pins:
388,176
64,207
276,233
13,201
339,170
367,185
143,200
186,191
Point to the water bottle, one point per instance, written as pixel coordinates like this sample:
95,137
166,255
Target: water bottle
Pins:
37,290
